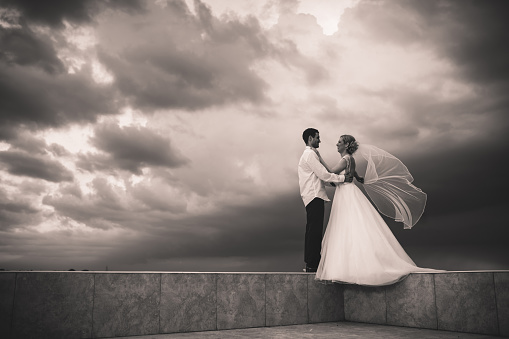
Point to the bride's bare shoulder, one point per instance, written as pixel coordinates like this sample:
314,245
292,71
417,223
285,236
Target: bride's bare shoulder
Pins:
348,157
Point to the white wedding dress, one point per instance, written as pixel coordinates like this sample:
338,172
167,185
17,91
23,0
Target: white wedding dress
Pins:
358,247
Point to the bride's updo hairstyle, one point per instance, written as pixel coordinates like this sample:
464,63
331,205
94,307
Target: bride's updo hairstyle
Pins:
352,144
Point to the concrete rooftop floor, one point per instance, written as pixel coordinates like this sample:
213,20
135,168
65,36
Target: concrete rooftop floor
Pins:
320,331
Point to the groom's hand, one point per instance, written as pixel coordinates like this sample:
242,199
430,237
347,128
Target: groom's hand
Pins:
348,178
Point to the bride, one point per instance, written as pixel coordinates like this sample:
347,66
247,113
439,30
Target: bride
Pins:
358,247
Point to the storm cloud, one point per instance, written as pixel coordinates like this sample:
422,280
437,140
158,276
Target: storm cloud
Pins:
195,62
23,164
131,149
54,12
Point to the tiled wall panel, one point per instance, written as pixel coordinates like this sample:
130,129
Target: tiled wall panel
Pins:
325,301
286,299
126,304
7,283
365,304
240,301
466,302
411,302
188,302
53,305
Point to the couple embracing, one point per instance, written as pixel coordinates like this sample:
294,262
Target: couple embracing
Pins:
358,247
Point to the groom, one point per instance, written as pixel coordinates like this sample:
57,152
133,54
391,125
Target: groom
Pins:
312,178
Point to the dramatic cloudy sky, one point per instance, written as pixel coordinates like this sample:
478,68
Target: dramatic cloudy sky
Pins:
165,135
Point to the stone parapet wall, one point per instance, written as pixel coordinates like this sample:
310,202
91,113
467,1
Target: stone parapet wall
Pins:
112,304
109,304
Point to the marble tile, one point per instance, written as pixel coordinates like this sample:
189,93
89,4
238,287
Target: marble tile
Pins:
53,305
7,283
325,301
240,300
466,302
188,302
286,299
411,302
502,294
365,304
126,304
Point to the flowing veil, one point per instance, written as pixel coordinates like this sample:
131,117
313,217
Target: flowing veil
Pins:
388,183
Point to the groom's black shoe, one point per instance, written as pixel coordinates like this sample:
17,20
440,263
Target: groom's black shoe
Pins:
310,269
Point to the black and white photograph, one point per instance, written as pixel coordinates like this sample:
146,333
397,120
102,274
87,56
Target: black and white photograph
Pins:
283,152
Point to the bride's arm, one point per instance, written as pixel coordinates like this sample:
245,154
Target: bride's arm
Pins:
328,169
339,167
358,177
324,163
336,169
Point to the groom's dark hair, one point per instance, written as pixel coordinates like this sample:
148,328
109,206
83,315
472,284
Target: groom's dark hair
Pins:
310,132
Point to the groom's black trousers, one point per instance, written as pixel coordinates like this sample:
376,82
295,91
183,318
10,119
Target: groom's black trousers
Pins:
314,229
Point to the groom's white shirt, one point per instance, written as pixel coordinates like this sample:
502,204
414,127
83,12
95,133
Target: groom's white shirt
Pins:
312,175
